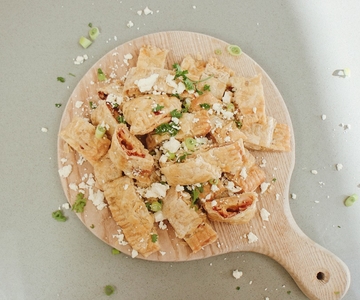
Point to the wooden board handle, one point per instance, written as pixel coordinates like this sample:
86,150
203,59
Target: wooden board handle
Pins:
318,272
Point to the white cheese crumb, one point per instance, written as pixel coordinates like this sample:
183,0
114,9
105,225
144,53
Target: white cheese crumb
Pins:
213,203
179,188
65,206
148,11
277,196
130,24
126,186
63,160
172,145
252,238
162,225
237,274
65,171
264,214
139,12
134,253
44,129
157,190
293,196
162,252
145,84
323,117
264,186
243,173
73,187
339,167
159,216
314,172
97,199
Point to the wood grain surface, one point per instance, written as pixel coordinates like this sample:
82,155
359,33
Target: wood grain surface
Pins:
317,272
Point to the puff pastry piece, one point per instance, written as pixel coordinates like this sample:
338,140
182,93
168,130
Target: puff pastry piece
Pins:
216,75
259,135
249,98
249,179
131,214
107,114
224,131
129,155
80,135
194,66
191,125
139,112
182,218
207,98
112,92
105,171
150,56
237,209
147,80
204,235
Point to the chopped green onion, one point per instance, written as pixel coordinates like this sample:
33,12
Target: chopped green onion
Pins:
205,106
109,290
58,215
181,158
58,105
80,203
230,107
350,200
92,105
92,226
115,251
155,206
171,155
90,25
84,42
166,128
234,50
214,181
238,288
154,238
217,51
195,194
121,119
185,107
61,79
190,143
101,75
100,131
94,33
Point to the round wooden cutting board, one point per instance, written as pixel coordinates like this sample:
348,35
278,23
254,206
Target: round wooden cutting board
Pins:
317,272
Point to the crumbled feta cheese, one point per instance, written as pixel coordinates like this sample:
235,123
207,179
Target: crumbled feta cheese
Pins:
264,186
323,117
293,196
159,216
243,173
44,129
73,187
63,160
264,214
214,188
97,198
227,97
162,225
213,203
314,172
120,236
65,171
148,11
172,145
65,205
130,24
179,188
162,252
126,186
163,158
252,238
227,139
339,167
139,12
157,190
277,196
237,274
134,253
146,84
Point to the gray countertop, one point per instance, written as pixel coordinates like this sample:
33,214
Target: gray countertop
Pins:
298,43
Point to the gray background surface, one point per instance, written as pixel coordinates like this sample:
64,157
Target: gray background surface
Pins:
298,43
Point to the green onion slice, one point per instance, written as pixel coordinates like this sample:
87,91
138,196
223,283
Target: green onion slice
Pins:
234,50
171,155
84,42
214,181
155,206
100,131
80,203
190,143
94,33
109,290
350,200
101,75
217,51
58,215
115,251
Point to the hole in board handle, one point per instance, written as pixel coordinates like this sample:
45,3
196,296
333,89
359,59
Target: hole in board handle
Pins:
323,276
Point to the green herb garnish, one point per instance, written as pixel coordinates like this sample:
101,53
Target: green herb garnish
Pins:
92,105
157,108
205,106
101,75
238,124
80,203
58,105
58,215
238,288
61,79
167,128
176,114
154,238
115,251
71,74
195,193
206,87
190,85
120,119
